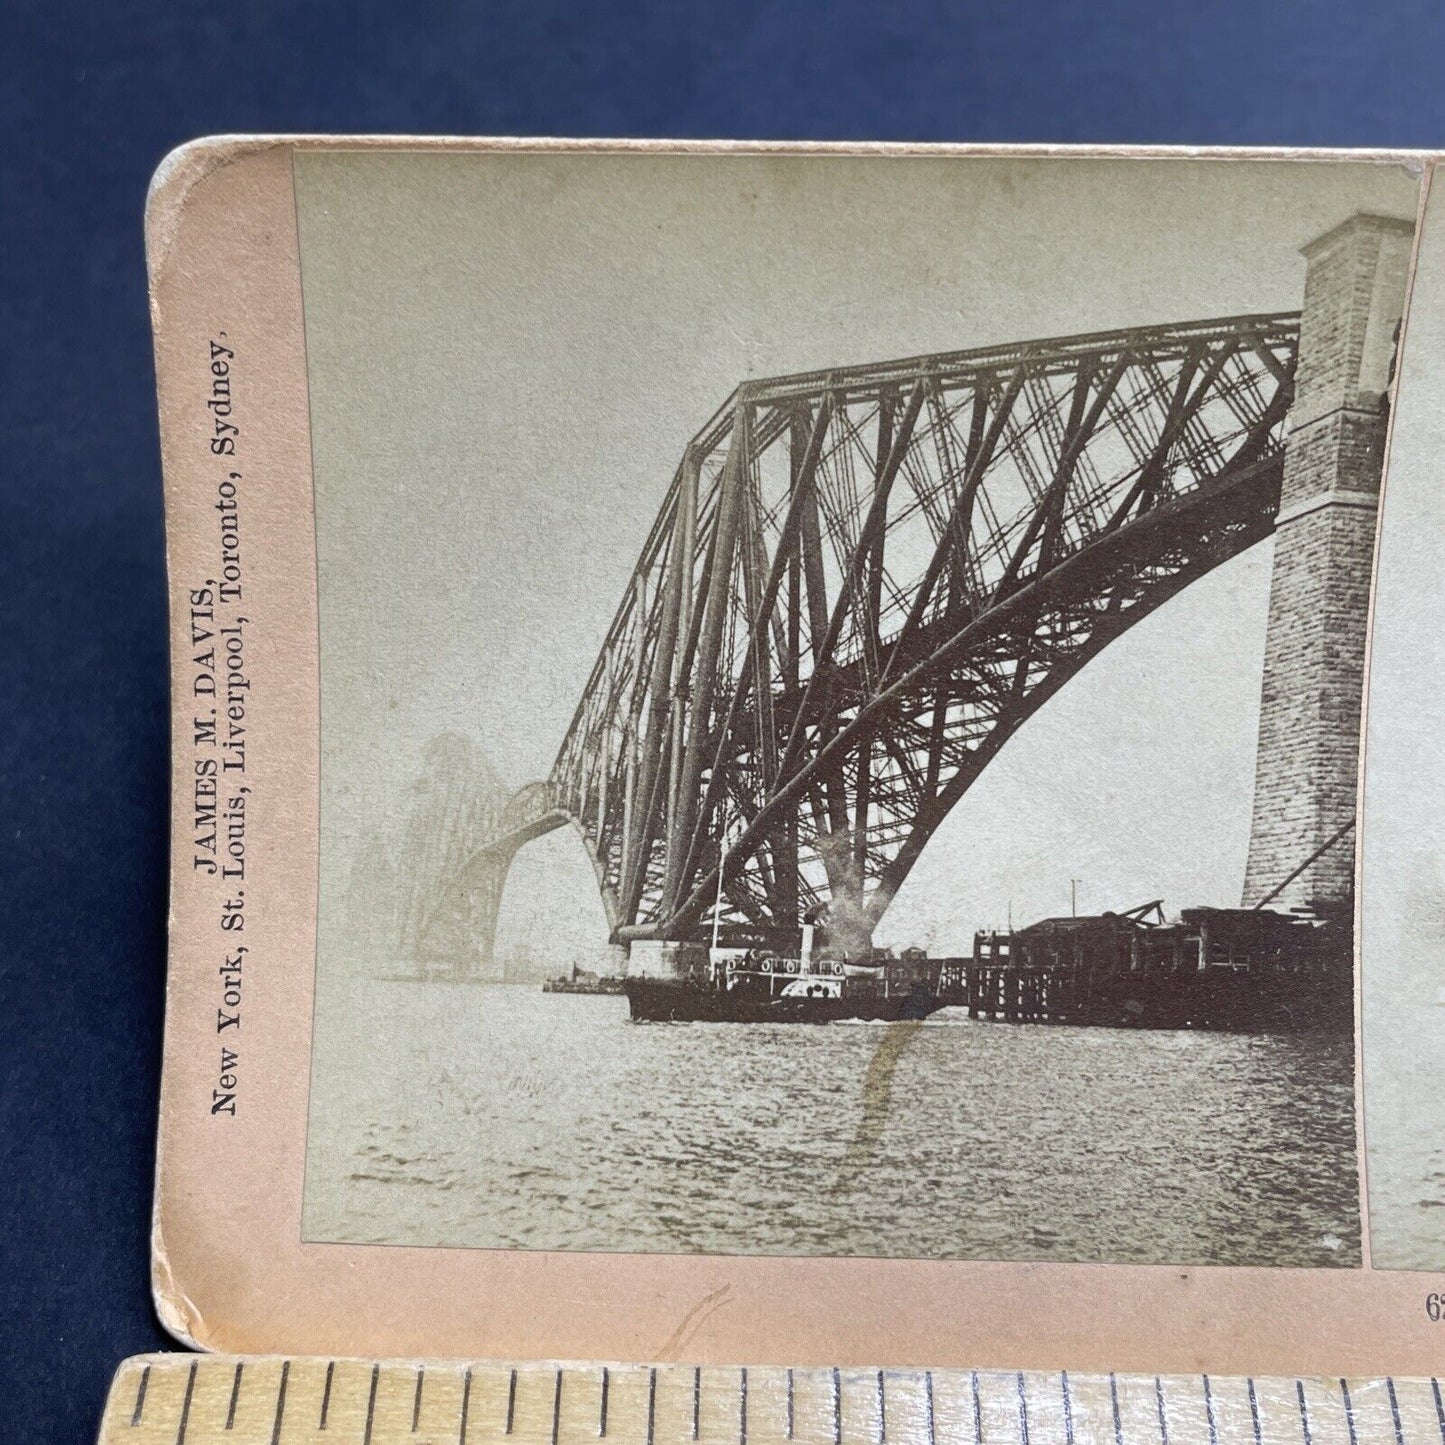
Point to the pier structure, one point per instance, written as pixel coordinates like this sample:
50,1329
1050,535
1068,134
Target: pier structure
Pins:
862,581
1313,691
1247,969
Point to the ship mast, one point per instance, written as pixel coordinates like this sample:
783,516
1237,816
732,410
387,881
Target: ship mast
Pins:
717,902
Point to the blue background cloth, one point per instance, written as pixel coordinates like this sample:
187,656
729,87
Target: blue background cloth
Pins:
93,96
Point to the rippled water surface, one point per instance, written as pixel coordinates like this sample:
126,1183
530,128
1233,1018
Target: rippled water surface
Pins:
1405,1129
499,1116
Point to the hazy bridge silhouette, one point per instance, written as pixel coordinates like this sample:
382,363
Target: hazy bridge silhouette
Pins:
860,583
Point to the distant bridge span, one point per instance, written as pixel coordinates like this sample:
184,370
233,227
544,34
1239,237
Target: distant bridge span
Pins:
861,583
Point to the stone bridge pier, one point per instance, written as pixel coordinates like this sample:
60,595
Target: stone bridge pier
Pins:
1307,763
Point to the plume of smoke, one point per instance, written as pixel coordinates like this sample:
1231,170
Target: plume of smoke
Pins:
847,925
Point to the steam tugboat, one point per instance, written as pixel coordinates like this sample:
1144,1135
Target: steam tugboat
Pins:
758,985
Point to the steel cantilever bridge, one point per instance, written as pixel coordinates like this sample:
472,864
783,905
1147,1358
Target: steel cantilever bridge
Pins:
861,582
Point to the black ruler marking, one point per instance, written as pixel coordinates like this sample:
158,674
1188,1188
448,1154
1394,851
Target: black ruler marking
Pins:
326,1394
467,1405
235,1395
186,1405
280,1402
370,1404
145,1379
1026,1426
1395,1410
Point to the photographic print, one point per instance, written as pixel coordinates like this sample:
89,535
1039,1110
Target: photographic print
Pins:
840,691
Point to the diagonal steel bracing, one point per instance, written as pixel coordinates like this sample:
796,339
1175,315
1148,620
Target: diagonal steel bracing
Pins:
862,581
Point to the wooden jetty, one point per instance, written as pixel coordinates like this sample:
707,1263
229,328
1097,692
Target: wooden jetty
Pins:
1219,968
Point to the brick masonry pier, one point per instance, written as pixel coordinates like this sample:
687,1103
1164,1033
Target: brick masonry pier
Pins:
1307,763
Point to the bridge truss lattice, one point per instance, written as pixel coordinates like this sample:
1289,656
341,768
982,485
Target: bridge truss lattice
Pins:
861,583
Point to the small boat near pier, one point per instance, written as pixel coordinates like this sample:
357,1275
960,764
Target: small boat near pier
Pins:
763,987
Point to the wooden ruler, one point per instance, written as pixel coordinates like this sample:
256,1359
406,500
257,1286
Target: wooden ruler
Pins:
176,1399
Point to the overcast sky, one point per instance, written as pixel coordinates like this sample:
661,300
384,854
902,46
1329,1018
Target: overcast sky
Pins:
508,353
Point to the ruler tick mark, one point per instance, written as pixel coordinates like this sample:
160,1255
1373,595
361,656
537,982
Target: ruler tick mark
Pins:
145,1379
1033,1406
326,1394
235,1395
280,1402
371,1404
186,1405
1395,1410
